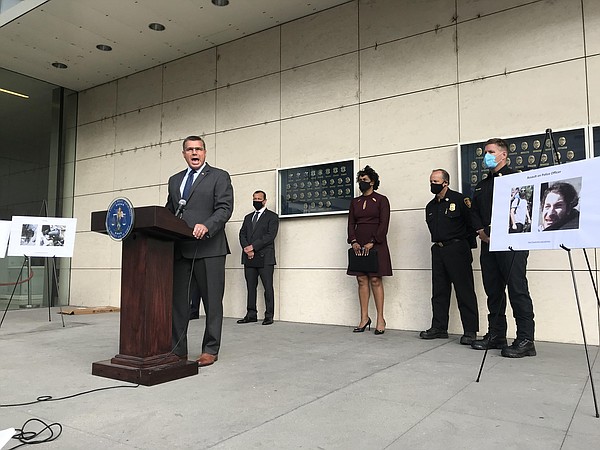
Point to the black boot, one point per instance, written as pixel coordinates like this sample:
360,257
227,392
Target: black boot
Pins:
489,341
433,333
519,349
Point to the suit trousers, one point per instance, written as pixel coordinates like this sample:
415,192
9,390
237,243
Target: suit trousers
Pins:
209,275
266,276
499,270
452,265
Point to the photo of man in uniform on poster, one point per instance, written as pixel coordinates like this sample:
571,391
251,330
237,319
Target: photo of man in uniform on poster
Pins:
520,209
559,205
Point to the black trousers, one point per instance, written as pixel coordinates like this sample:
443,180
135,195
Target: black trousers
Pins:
452,265
266,277
499,270
195,299
209,275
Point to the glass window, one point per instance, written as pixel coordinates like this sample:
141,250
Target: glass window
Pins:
34,152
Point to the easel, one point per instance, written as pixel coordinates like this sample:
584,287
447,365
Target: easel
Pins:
51,275
556,159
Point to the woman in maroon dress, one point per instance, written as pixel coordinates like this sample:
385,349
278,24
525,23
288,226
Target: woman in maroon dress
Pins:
368,222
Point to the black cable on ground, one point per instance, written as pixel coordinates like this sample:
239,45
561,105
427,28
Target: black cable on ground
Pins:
48,398
35,437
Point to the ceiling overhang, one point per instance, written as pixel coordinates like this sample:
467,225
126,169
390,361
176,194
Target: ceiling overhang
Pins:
69,31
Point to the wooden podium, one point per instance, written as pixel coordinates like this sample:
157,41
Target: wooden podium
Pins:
146,300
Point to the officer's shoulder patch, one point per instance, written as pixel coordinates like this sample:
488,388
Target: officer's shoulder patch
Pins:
468,202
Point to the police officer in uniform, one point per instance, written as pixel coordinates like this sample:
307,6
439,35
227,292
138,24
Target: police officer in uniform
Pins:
448,217
501,269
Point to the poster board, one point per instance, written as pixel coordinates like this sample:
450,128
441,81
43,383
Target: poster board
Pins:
563,203
42,236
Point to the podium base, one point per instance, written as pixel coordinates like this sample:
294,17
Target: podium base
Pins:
146,376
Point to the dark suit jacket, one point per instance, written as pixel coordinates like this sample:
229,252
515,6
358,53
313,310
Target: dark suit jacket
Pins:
261,236
210,203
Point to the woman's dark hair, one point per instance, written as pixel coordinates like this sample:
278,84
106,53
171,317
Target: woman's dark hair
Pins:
368,171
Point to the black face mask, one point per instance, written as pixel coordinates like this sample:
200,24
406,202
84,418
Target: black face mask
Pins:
436,188
257,205
364,186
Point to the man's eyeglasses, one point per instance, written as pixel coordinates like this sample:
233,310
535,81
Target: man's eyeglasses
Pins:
191,149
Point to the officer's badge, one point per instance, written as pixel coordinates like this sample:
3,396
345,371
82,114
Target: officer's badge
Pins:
468,202
452,207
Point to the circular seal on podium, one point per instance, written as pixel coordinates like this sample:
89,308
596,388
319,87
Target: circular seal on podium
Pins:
119,219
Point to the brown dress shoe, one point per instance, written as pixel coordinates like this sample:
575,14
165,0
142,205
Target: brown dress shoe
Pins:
206,359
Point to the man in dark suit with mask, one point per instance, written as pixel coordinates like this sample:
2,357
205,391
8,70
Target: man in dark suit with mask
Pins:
257,238
203,195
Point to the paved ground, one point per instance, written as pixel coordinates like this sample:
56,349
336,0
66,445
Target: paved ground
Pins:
293,385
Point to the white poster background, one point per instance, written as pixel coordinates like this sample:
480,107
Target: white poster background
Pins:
4,235
42,236
583,175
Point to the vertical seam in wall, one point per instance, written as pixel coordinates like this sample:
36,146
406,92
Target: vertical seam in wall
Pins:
359,74
162,101
280,304
280,105
457,70
215,88
160,133
585,64
115,120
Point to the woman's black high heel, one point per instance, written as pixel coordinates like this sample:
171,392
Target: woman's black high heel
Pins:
362,329
378,332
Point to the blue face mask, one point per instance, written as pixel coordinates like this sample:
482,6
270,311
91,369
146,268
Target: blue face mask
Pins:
490,161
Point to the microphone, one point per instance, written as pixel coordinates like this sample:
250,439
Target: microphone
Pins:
180,208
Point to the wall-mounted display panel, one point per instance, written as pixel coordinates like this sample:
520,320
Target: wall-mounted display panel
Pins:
316,189
596,141
525,153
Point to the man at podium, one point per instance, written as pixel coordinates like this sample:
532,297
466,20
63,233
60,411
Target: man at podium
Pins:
203,196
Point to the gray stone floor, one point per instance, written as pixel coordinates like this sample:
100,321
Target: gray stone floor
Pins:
294,385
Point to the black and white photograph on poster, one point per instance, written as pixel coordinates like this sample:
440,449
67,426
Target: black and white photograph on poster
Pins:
563,203
52,235
28,233
559,205
4,235
42,236
519,213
